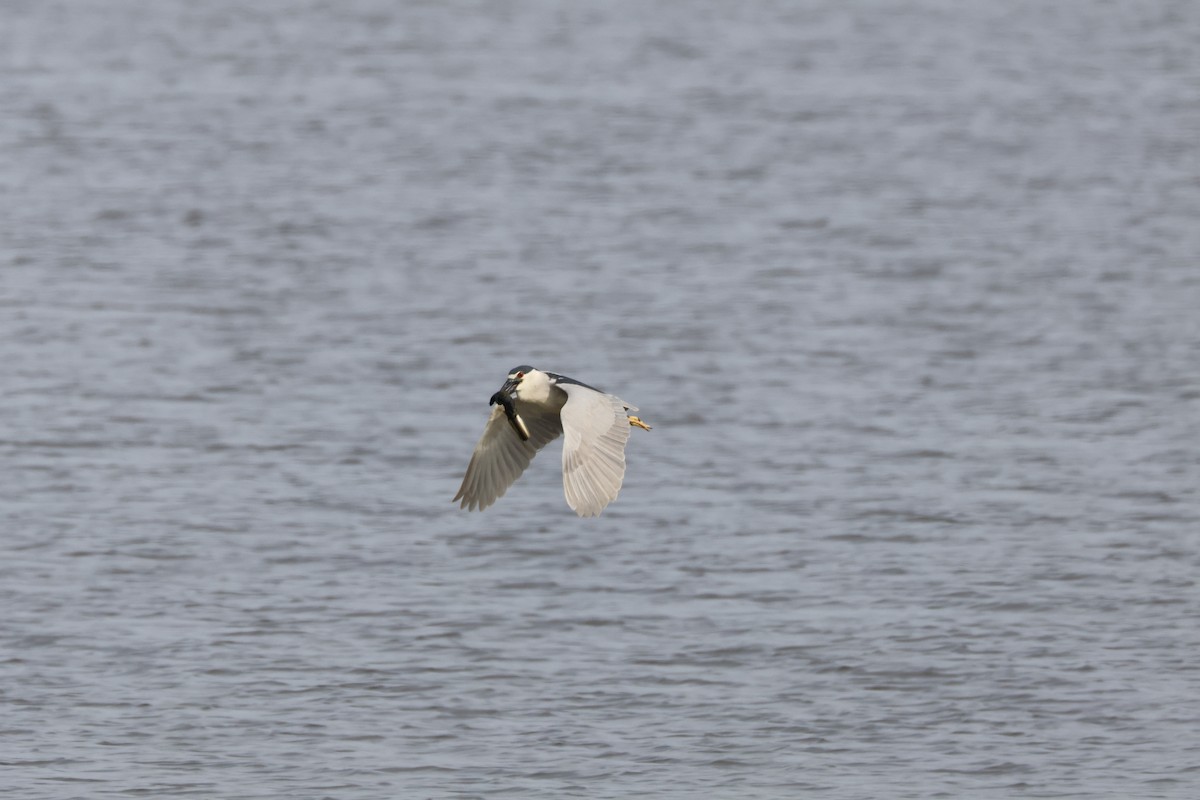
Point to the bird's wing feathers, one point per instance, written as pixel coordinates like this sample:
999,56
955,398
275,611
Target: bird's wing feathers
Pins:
501,456
595,429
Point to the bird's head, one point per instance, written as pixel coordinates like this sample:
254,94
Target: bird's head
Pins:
525,383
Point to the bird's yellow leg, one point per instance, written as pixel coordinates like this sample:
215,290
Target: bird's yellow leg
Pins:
638,423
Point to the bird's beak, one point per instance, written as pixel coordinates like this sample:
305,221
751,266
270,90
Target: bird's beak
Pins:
510,388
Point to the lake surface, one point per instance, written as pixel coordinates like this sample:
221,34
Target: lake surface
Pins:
910,292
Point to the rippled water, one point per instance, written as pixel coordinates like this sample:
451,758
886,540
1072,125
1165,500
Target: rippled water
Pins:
908,290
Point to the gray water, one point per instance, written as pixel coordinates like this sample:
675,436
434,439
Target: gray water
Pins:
909,291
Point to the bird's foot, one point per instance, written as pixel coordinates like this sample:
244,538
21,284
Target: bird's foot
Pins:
638,423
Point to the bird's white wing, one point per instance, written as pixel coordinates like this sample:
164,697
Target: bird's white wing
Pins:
501,455
595,430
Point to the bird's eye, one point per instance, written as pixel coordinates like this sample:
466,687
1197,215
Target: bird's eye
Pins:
520,375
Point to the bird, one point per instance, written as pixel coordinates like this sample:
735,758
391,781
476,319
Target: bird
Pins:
531,409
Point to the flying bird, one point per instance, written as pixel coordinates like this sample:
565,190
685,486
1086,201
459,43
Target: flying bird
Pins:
531,409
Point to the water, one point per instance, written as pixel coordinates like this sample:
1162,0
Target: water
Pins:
909,292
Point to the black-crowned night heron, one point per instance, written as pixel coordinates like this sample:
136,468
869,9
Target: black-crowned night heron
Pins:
532,409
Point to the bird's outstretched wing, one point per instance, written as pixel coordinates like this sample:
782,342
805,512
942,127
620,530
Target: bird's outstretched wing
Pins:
595,430
501,456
